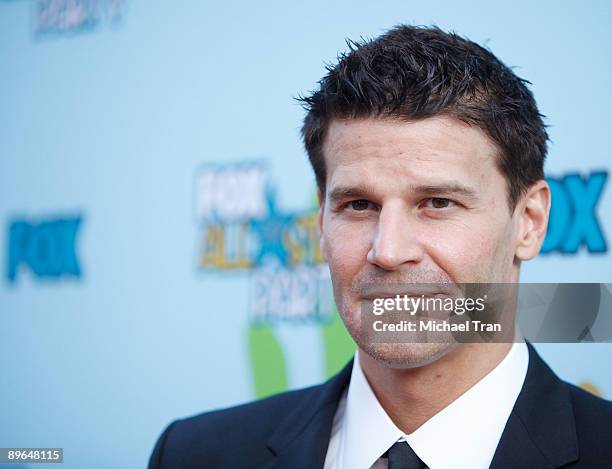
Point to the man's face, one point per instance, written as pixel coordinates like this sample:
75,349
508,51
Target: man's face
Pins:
412,202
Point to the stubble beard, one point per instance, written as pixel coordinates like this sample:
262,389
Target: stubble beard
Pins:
395,355
409,354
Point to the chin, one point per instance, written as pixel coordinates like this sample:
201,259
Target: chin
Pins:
406,355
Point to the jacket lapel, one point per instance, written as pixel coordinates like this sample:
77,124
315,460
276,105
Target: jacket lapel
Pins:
540,431
301,440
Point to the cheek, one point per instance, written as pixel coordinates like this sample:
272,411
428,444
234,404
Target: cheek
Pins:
467,254
346,247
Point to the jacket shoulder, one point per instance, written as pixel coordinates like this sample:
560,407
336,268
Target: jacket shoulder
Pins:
590,411
593,417
265,413
590,405
233,436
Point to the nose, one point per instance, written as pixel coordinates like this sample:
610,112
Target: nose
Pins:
396,239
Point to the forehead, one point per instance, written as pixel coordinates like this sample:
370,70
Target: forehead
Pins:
430,150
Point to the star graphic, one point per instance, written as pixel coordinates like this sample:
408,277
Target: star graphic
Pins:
269,233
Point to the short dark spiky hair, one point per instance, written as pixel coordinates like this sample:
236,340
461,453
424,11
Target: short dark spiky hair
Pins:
416,72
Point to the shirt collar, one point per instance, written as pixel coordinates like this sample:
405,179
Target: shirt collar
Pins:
466,431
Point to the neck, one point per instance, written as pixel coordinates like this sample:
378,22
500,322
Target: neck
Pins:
412,396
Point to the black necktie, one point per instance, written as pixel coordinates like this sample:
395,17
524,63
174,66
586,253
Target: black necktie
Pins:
402,456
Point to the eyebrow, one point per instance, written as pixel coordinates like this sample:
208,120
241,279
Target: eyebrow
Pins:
367,192
350,192
450,188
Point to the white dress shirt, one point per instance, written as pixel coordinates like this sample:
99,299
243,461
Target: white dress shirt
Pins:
465,434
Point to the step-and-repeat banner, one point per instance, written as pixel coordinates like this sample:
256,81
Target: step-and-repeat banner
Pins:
158,238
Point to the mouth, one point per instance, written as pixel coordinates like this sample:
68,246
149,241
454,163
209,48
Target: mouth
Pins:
425,291
419,301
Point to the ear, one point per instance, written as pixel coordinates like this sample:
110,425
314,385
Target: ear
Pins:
321,202
533,213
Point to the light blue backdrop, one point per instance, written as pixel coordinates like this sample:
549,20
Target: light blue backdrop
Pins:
111,121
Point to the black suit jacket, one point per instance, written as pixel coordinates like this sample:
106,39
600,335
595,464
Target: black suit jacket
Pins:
553,424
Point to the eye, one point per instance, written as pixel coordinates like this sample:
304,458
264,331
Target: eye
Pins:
360,205
440,202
